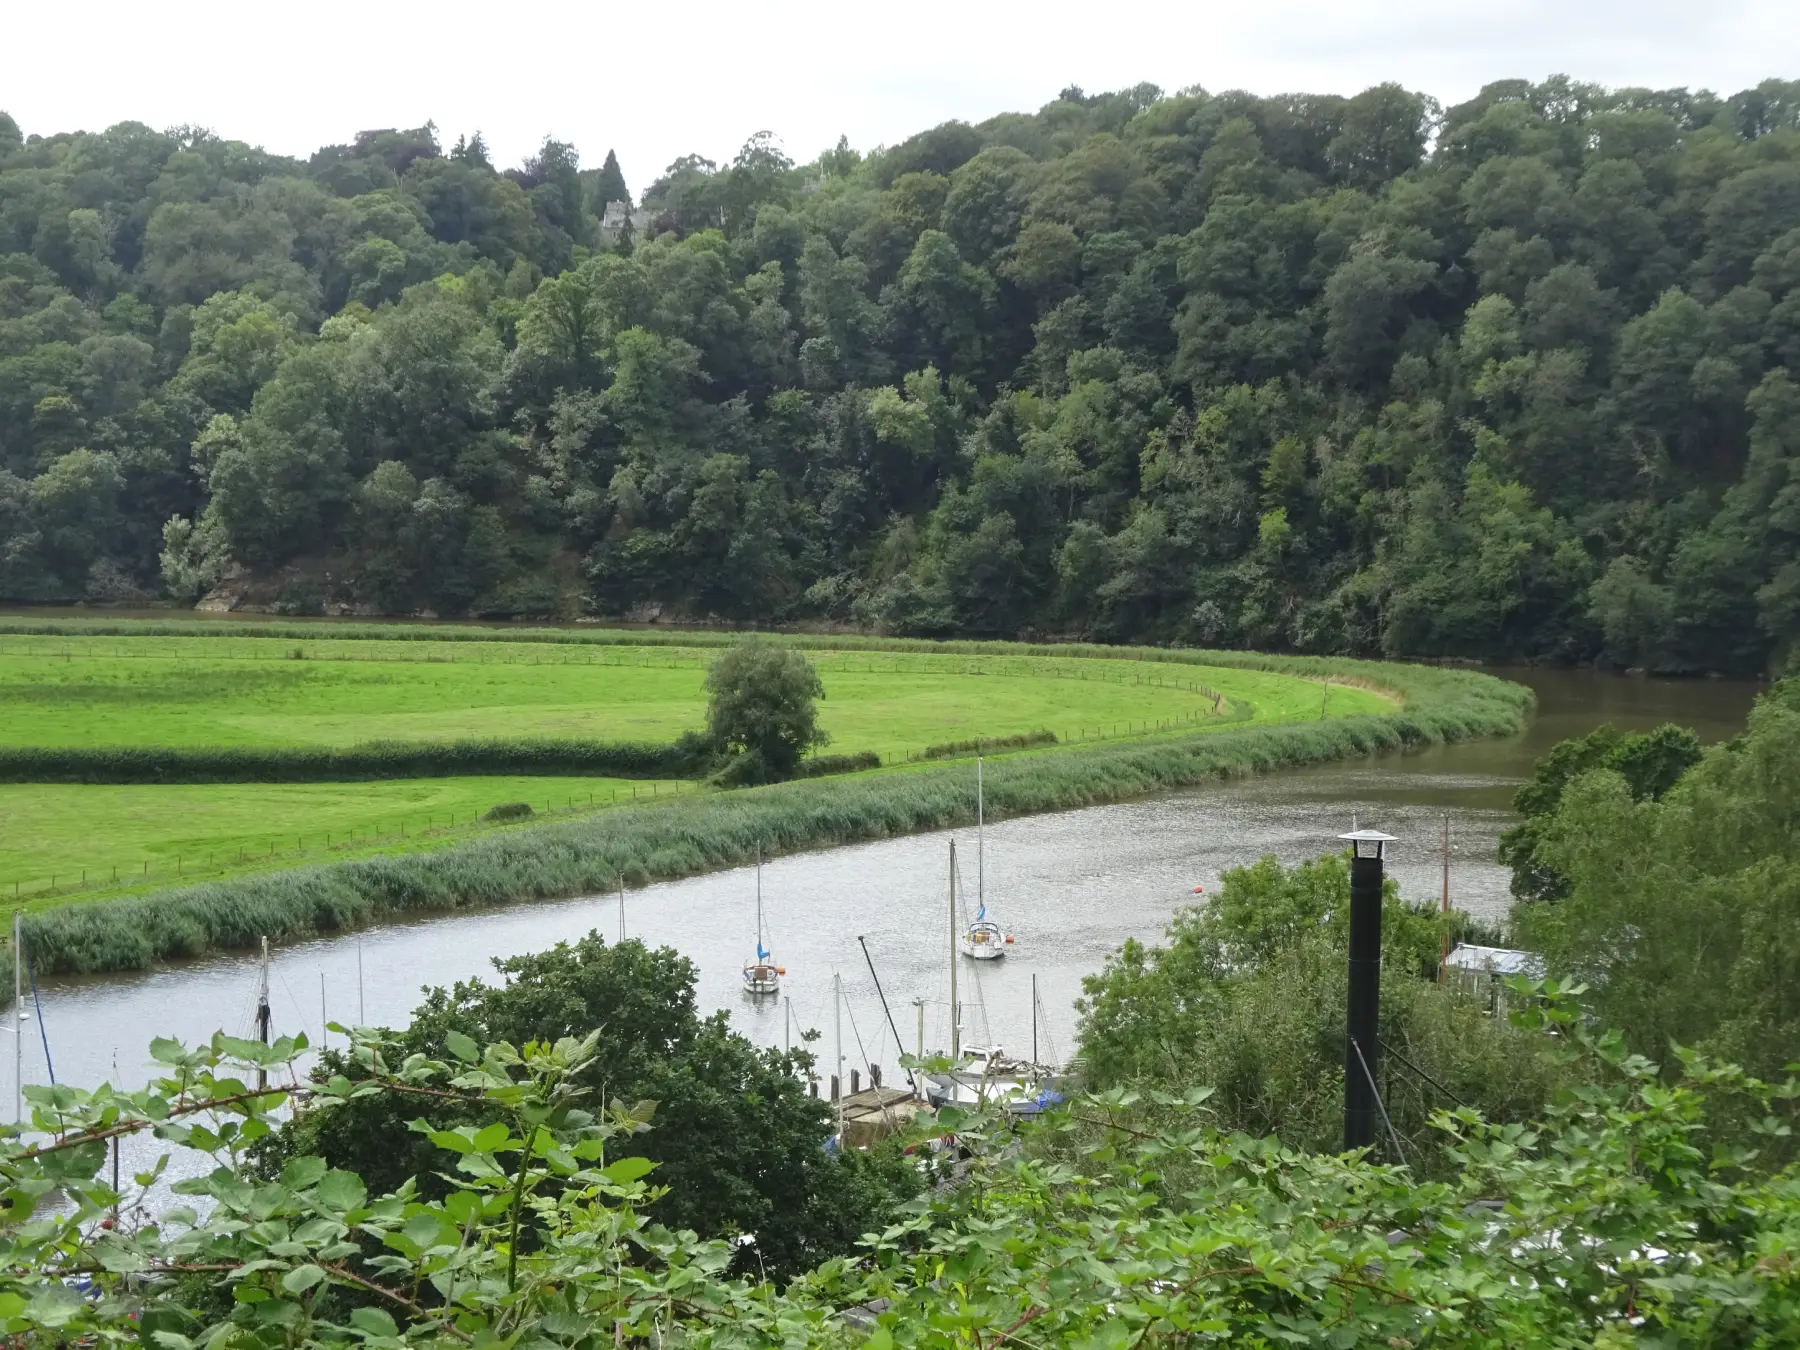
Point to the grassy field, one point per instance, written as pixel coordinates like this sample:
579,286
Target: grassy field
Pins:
89,690
263,691
60,838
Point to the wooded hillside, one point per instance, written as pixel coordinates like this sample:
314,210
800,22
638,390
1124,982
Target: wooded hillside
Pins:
1313,373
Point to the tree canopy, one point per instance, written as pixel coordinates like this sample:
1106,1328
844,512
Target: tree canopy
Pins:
1364,374
760,709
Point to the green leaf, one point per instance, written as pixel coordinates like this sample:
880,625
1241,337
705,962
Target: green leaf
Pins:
373,1322
301,1278
302,1172
463,1047
340,1190
424,1230
627,1170
490,1137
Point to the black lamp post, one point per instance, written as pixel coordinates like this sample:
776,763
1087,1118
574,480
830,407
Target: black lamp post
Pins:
1362,1044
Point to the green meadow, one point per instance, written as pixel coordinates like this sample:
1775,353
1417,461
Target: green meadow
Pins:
97,690
63,838
104,691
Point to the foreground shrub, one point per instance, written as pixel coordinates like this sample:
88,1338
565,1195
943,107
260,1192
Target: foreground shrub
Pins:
1611,1223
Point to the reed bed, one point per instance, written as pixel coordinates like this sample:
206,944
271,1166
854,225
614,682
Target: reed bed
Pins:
720,830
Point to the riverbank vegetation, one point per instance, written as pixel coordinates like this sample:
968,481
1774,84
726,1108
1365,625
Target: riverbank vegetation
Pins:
1347,375
1681,908
708,831
1246,995
1654,878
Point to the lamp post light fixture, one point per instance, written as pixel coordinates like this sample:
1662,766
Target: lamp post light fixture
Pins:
1362,1043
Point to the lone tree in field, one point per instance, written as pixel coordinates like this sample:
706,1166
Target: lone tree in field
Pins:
761,710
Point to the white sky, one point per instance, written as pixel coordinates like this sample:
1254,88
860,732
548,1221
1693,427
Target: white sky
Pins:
655,79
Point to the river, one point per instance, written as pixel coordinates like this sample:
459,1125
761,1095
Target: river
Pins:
1070,887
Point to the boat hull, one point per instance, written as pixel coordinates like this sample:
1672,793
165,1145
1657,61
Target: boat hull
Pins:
982,951
761,981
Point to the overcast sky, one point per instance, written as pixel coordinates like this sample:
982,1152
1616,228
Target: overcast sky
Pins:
655,79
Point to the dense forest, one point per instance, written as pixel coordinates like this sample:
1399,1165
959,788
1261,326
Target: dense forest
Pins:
1515,378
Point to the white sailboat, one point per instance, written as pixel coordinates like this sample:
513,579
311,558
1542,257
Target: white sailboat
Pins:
983,939
987,1077
762,977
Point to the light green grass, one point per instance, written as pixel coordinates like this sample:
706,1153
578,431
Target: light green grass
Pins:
62,839
99,691
178,690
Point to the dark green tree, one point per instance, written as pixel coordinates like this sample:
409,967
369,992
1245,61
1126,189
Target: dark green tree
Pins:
761,709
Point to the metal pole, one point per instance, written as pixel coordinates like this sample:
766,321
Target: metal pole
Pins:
787,1025
980,839
837,1018
18,1019
621,907
262,1012
362,1016
1034,1058
1362,1048
324,1021
1444,959
115,1142
955,1030
919,1007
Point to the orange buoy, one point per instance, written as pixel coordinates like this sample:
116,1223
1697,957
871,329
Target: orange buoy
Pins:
781,970
1199,890
1009,937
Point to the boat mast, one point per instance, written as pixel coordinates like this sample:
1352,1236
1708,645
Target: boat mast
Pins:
1034,1058
837,1034
955,1030
262,1012
621,907
1444,959
759,941
880,994
980,841
18,1019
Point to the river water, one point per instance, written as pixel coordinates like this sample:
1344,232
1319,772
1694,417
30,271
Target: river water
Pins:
1070,887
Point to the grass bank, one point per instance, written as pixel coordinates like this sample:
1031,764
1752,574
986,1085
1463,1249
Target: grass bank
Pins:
719,830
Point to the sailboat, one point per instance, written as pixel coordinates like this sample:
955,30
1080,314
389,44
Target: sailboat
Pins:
987,1077
762,976
983,939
